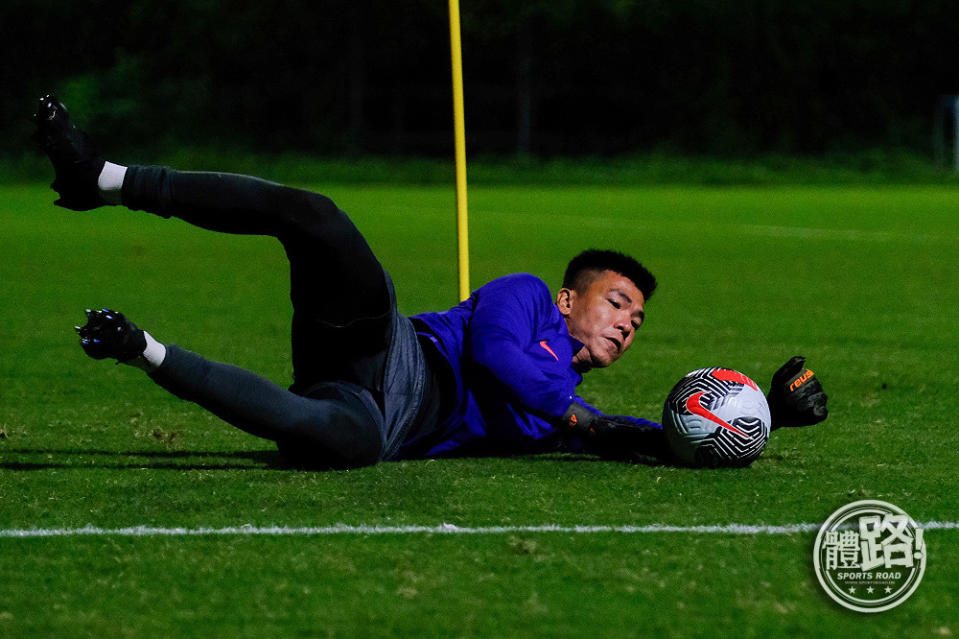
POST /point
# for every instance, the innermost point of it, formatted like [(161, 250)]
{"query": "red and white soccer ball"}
[(716, 417)]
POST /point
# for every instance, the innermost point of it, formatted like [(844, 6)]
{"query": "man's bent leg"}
[(319, 237), (341, 297), (337, 426)]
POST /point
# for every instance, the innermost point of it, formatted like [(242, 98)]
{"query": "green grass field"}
[(860, 280)]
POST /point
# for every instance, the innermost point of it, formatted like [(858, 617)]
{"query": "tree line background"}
[(559, 77)]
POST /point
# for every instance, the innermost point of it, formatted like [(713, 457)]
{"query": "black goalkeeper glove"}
[(796, 397), (616, 437), (582, 421), (110, 334)]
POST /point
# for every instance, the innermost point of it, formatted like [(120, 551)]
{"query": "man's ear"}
[(564, 301)]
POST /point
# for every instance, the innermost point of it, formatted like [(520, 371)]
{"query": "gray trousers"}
[(361, 381)]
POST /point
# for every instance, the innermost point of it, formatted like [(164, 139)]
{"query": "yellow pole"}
[(459, 133)]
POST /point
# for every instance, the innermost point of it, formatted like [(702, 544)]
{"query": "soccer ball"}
[(716, 417)]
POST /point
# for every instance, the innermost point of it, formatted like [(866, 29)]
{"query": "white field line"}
[(441, 529)]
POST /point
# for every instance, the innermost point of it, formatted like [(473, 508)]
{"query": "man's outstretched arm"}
[(503, 325)]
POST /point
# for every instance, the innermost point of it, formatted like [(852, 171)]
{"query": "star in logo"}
[(888, 589), (870, 590), (852, 590)]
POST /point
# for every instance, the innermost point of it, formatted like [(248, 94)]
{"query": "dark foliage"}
[(560, 77)]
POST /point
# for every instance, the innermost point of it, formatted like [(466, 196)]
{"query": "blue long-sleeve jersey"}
[(511, 357)]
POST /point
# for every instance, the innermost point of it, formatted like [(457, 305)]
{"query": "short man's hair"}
[(588, 265)]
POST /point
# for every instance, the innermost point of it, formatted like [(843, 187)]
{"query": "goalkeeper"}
[(494, 375)]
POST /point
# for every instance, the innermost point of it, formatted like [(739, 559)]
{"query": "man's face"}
[(604, 317)]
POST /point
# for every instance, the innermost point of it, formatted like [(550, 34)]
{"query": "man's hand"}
[(582, 421), (796, 397), (617, 437)]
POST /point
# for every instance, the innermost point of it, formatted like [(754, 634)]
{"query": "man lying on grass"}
[(496, 374)]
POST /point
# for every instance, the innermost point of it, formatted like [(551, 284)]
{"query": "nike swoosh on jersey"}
[(548, 349)]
